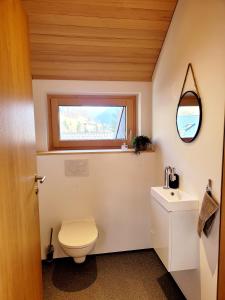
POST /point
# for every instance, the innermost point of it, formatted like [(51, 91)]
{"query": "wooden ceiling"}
[(97, 39)]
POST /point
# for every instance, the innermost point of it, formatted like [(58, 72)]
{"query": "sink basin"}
[(174, 199)]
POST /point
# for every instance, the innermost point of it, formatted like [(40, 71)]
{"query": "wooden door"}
[(221, 273), (20, 262)]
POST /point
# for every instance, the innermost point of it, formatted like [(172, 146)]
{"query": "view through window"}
[(92, 122)]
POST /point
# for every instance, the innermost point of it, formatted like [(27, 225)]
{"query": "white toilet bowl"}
[(77, 238)]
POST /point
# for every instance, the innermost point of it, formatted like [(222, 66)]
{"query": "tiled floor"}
[(137, 275)]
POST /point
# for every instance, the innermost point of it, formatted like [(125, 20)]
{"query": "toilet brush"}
[(50, 249)]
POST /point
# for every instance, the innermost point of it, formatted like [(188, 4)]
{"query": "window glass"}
[(92, 122)]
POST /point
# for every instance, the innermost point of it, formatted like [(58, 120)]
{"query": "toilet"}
[(77, 238)]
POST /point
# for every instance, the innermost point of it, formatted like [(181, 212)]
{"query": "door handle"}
[(40, 179)]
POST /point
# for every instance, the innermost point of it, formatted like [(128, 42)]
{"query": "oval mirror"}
[(189, 116)]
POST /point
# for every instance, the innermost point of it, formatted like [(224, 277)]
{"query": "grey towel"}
[(207, 214)]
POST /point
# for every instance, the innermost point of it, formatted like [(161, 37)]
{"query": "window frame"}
[(54, 101)]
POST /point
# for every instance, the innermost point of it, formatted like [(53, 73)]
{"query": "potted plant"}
[(141, 143)]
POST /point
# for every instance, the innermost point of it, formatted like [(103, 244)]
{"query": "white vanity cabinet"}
[(174, 229)]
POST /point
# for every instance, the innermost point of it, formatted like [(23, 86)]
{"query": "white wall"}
[(43, 87), (197, 35), (116, 192)]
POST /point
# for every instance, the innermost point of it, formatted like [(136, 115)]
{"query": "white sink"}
[(174, 199)]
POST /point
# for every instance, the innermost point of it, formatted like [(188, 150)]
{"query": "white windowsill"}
[(95, 151)]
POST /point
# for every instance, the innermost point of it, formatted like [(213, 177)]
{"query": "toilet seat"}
[(78, 233)]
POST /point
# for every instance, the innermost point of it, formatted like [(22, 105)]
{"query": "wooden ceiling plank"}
[(146, 4), (98, 22), (77, 31), (84, 75), (91, 66), (93, 10), (87, 77), (109, 42), (109, 59), (87, 51)]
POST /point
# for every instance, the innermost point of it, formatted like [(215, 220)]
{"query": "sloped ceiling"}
[(97, 39)]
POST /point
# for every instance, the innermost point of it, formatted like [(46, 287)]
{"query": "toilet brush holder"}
[(50, 249)]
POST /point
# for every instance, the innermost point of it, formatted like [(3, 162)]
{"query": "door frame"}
[(221, 263)]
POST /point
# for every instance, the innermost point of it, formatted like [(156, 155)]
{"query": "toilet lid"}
[(79, 233)]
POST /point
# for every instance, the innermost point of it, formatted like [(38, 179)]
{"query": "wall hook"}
[(209, 186)]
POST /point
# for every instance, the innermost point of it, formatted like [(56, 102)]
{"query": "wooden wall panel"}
[(102, 31)]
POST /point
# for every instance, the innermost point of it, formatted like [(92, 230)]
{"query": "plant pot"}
[(141, 148)]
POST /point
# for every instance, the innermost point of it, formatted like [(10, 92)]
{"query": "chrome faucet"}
[(169, 175)]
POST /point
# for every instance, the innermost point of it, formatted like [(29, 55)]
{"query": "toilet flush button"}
[(76, 168)]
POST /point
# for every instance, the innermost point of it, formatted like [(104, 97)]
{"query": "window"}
[(91, 122)]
